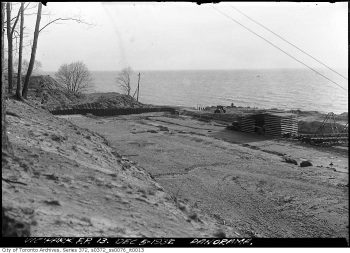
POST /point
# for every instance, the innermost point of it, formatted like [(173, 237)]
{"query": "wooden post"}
[(138, 87)]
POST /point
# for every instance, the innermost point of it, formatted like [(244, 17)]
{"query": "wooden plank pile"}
[(248, 124), (279, 124)]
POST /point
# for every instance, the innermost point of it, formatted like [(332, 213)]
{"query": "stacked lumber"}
[(279, 124), (247, 124)]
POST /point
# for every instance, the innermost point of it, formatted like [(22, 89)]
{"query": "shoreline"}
[(54, 98), (273, 109), (112, 104), (36, 82)]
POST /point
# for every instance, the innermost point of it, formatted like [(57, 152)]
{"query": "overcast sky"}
[(181, 36)]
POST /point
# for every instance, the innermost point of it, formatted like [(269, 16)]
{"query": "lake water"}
[(282, 88)]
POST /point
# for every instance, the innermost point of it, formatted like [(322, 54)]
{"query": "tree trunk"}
[(32, 56), (9, 47), (19, 73), (4, 139)]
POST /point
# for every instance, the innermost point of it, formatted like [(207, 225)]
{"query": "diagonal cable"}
[(291, 56), (256, 22)]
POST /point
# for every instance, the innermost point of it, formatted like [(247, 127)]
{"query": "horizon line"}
[(223, 69)]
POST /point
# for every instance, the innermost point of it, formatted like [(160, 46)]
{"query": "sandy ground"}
[(63, 180), (240, 180)]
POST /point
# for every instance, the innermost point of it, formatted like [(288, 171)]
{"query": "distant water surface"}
[(282, 88)]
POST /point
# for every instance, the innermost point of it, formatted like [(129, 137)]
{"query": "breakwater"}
[(110, 111)]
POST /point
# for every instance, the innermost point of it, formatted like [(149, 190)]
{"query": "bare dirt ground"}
[(63, 180), (240, 180)]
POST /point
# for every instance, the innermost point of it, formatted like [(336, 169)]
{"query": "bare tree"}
[(19, 72), (32, 56), (32, 61), (4, 139), (75, 77), (10, 30), (123, 80), (9, 45)]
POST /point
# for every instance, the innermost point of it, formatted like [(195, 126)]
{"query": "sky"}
[(187, 36)]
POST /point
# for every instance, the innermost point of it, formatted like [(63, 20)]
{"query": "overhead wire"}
[(272, 44), (285, 40)]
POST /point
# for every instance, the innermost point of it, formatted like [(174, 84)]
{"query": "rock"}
[(51, 176), (52, 202), (290, 160), (58, 138), (194, 217), (305, 164), (219, 234), (163, 128), (182, 207)]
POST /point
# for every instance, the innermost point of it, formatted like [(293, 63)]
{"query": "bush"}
[(75, 77)]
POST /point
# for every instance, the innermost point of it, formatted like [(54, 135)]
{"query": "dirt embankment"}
[(47, 93), (241, 180), (110, 100), (64, 180)]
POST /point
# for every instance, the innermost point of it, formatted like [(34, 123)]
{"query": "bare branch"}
[(10, 21), (14, 25), (17, 34), (123, 80), (34, 13), (25, 7), (64, 19)]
